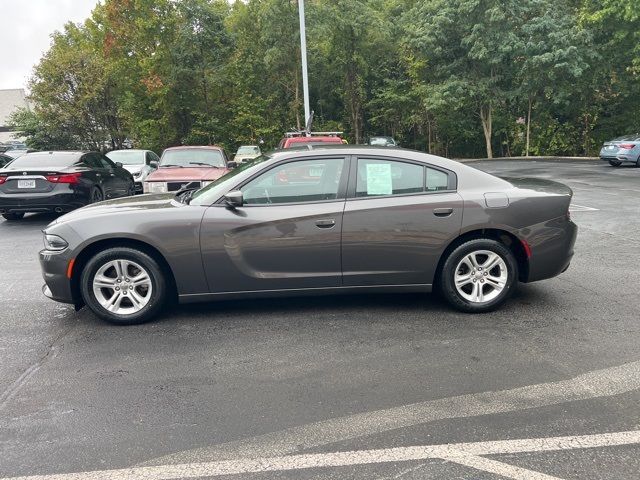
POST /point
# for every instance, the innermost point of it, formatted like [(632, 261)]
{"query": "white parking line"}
[(500, 468), (581, 208), (598, 383), (463, 453)]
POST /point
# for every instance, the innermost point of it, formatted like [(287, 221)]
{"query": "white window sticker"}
[(379, 180)]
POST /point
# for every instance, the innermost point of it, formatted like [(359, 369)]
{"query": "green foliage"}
[(459, 78)]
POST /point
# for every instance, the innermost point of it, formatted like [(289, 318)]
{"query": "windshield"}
[(44, 161), (221, 186), (381, 141), (248, 150), (190, 157), (127, 157)]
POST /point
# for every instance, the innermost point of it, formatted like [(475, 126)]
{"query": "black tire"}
[(96, 195), (447, 276), (615, 163), (11, 217), (158, 282)]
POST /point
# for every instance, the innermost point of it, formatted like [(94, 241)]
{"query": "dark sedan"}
[(309, 222), (60, 182), (622, 150), (4, 160)]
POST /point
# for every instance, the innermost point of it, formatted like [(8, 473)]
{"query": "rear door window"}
[(388, 177)]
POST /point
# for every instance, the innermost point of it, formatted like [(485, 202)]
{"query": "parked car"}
[(382, 142), (4, 160), (140, 163), (622, 150), (296, 139), (60, 182), (246, 152), (366, 220), (187, 166), (15, 152)]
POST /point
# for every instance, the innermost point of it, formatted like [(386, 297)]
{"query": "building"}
[(10, 101)]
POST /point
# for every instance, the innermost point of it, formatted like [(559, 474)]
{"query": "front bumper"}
[(57, 286), (41, 202)]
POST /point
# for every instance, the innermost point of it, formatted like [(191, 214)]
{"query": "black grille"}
[(175, 186)]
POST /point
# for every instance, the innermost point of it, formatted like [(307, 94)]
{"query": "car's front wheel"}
[(123, 285), (479, 275)]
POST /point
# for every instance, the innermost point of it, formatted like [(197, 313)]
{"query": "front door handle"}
[(442, 212), (326, 223)]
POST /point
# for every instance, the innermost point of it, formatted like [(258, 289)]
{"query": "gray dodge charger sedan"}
[(308, 222)]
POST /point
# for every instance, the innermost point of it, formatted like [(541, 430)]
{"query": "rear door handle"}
[(442, 212), (325, 223)]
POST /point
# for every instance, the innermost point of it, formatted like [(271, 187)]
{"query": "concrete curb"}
[(530, 159)]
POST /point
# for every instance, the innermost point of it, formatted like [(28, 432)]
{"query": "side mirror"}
[(234, 199), (232, 164), (153, 164), (119, 164)]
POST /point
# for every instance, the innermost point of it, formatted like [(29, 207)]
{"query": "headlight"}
[(206, 182), (54, 243), (155, 187), (137, 174)]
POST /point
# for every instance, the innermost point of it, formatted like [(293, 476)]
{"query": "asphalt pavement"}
[(366, 386)]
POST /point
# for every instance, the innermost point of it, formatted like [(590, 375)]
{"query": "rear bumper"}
[(54, 271), (619, 158), (47, 202), (552, 248)]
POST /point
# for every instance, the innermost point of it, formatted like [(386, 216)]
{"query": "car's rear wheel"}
[(123, 285), (479, 275), (96, 195), (615, 163), (13, 216)]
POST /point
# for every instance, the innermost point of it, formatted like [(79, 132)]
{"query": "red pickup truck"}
[(182, 166), (314, 139)]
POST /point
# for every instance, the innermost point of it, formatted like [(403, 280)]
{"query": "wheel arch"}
[(508, 239), (99, 245)]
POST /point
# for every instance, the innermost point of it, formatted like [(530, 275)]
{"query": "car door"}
[(286, 235), (398, 219), (117, 178)]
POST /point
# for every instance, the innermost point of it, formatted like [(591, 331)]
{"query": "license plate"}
[(610, 147), (26, 184)]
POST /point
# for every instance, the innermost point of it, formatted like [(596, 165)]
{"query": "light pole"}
[(305, 77)]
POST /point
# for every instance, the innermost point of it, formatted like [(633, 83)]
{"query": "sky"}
[(25, 29)]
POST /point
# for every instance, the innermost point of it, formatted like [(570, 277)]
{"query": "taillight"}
[(71, 178), (627, 146), (2, 180)]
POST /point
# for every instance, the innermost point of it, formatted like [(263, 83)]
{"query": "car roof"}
[(317, 138), (194, 147), (397, 152), (129, 150)]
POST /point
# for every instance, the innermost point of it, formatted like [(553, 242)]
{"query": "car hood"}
[(120, 206), (133, 168), (187, 174)]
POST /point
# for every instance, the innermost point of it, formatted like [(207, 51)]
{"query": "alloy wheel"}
[(481, 276), (122, 287)]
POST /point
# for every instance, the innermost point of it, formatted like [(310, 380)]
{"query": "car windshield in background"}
[(250, 150), (127, 157), (213, 191), (192, 157), (44, 161), (381, 141)]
